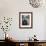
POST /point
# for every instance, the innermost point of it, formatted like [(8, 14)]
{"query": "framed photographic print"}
[(25, 19)]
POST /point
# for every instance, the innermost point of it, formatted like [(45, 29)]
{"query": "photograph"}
[(25, 19)]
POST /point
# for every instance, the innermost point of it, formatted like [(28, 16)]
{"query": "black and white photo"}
[(25, 19)]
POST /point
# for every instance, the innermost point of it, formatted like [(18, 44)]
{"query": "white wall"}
[(11, 8)]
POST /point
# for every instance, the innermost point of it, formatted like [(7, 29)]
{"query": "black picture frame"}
[(25, 20)]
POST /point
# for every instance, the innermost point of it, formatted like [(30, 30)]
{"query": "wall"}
[(11, 8)]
